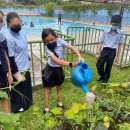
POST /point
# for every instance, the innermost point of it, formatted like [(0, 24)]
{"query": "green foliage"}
[(79, 7), (2, 5), (59, 2), (74, 7), (33, 119), (50, 8), (24, 6), (50, 123), (3, 95), (124, 126), (57, 111), (112, 101), (28, 6), (76, 108), (128, 101), (9, 122)]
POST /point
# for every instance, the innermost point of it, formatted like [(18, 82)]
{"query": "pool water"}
[(40, 23)]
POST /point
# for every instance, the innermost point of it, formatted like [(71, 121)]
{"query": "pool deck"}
[(125, 28)]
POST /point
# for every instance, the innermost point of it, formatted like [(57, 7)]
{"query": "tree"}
[(26, 1), (50, 8)]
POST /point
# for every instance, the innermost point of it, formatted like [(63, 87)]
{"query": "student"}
[(111, 44), (20, 64), (31, 25), (53, 74), (59, 18), (5, 71)]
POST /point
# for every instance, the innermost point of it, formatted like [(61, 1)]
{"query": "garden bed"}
[(110, 111)]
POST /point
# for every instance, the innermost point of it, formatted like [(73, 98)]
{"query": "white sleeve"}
[(63, 42), (11, 47), (2, 37)]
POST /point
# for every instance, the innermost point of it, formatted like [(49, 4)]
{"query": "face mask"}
[(16, 29), (51, 46), (114, 27), (1, 24)]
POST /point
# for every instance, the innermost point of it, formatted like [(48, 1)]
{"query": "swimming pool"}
[(40, 23)]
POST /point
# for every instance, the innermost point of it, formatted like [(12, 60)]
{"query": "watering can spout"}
[(84, 88)]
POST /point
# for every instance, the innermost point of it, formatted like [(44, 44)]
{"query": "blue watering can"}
[(82, 75)]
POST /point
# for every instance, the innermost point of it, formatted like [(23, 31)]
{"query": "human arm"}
[(62, 62), (119, 48), (75, 50), (100, 45), (10, 77), (118, 53), (98, 50), (14, 67), (57, 60)]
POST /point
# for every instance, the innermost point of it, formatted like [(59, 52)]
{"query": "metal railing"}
[(87, 40), (38, 57), (125, 55)]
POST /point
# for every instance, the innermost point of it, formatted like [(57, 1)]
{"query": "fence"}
[(87, 39), (38, 57), (125, 55), (88, 15)]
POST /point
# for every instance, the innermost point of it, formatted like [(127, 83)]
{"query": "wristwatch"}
[(71, 64)]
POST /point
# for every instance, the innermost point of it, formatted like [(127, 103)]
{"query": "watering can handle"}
[(82, 61)]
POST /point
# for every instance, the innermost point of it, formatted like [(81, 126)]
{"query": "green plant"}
[(9, 122), (3, 95), (50, 8), (111, 108), (124, 126), (79, 7)]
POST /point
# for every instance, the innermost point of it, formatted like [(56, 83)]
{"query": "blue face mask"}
[(114, 27)]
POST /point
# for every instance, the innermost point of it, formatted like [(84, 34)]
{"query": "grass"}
[(71, 94), (74, 94)]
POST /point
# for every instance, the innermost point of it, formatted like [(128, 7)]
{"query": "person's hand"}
[(19, 77), (76, 63), (117, 60), (10, 79), (79, 59), (97, 56)]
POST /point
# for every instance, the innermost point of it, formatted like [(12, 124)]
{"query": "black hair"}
[(10, 16), (1, 13), (46, 32), (116, 19)]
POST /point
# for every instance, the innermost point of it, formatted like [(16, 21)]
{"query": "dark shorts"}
[(52, 76), (3, 79), (59, 19)]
